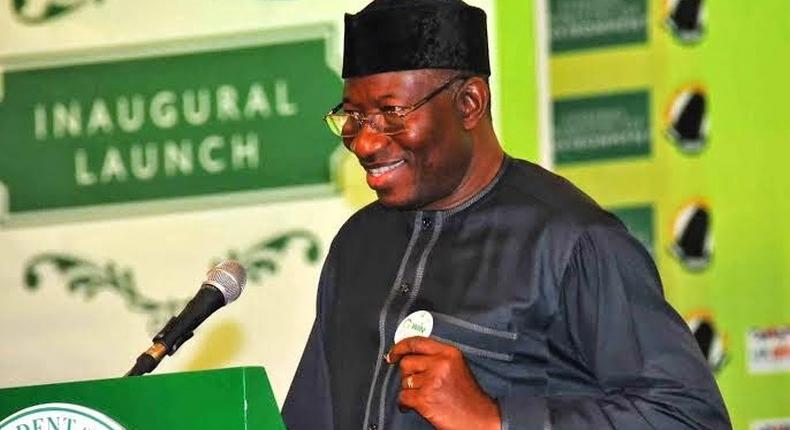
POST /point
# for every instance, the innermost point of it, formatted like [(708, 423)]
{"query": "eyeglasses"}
[(390, 121)]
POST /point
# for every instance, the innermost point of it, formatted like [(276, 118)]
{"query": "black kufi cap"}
[(395, 35)]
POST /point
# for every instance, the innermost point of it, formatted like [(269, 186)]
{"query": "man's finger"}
[(416, 345), (414, 364), (414, 381), (408, 399)]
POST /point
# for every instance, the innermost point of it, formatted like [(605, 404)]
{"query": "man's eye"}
[(391, 110), (353, 114)]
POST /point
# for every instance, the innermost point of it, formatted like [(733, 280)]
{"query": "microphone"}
[(224, 284)]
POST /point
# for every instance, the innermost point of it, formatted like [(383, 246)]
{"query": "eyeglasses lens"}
[(345, 125)]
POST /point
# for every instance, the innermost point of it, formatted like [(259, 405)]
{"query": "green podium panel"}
[(229, 399)]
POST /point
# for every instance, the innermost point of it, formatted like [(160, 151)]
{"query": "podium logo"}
[(38, 11), (59, 416)]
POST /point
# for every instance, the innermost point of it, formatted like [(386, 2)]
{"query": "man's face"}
[(428, 160)]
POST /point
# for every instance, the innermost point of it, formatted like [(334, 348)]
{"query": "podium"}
[(229, 399)]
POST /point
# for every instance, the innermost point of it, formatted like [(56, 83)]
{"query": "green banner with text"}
[(180, 125)]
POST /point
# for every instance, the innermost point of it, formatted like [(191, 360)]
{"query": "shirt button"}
[(405, 288), (426, 223)]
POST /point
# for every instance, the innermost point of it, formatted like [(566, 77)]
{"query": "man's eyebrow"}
[(346, 102), (378, 98)]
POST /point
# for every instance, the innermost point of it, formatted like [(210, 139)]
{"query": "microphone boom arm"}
[(224, 284)]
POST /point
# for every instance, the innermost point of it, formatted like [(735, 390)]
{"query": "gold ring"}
[(409, 382)]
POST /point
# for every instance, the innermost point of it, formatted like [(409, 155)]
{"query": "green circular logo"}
[(59, 415)]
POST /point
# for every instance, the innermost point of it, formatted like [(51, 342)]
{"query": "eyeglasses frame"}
[(399, 111)]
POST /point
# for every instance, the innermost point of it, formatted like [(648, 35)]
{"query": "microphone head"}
[(229, 277)]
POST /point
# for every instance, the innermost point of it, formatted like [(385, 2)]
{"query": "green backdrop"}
[(677, 120)]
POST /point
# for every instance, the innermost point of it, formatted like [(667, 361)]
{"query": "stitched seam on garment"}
[(383, 313), (561, 292), (547, 425), (383, 398), (566, 262), (505, 422), (412, 297), (485, 190), (383, 395), (475, 327), (476, 351)]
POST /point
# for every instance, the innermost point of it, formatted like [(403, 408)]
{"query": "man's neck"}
[(483, 168)]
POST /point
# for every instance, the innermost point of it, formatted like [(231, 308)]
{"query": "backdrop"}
[(672, 114)]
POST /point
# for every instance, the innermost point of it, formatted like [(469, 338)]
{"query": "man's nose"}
[(368, 142)]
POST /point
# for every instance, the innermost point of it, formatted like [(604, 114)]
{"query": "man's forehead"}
[(392, 84)]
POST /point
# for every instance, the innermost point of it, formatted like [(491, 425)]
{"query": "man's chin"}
[(395, 201)]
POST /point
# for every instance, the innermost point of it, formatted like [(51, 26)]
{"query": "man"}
[(545, 312)]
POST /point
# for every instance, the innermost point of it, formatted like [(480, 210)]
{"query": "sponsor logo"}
[(602, 127), (59, 416), (692, 241), (588, 24), (686, 119), (769, 349), (711, 342), (773, 424), (685, 19), (39, 11)]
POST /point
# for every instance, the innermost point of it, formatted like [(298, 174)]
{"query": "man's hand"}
[(437, 383)]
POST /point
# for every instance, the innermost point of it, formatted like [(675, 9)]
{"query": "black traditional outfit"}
[(558, 311)]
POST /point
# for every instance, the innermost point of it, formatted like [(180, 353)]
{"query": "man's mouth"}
[(384, 168)]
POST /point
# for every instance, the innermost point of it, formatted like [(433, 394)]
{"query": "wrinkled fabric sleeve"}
[(308, 405), (650, 374)]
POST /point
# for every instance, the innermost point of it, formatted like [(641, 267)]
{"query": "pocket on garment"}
[(489, 352)]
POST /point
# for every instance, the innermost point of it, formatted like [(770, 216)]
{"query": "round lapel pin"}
[(419, 323)]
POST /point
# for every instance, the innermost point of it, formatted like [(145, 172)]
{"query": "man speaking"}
[(479, 291)]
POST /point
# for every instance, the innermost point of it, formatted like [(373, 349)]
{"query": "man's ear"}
[(472, 101)]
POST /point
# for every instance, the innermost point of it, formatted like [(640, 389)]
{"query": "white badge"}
[(418, 323)]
